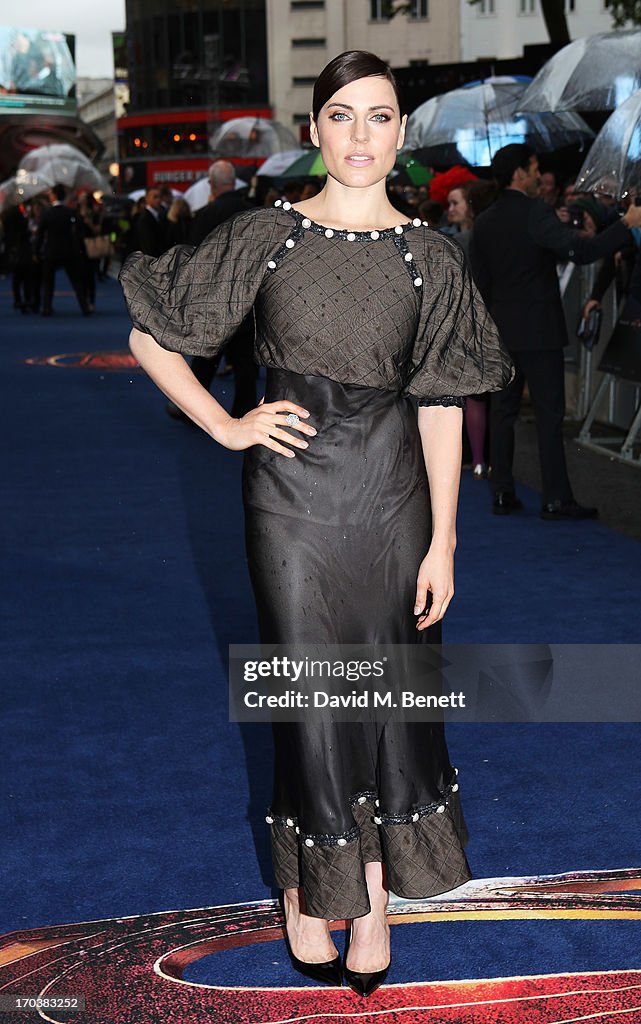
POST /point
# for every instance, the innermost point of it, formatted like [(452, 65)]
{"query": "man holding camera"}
[(516, 244)]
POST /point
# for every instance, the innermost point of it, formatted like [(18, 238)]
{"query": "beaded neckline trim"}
[(344, 233)]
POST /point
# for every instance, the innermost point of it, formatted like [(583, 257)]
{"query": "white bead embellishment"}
[(362, 799), (455, 787), (271, 265), (350, 236), (398, 229), (408, 257), (269, 820), (289, 822), (440, 809), (418, 281), (287, 206), (342, 842), (290, 243), (417, 222), (378, 803), (378, 821), (297, 831), (415, 817), (328, 233), (307, 222), (309, 842), (374, 235), (279, 202)]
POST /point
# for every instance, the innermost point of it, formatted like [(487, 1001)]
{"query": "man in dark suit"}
[(514, 250), (150, 230), (56, 245), (225, 202)]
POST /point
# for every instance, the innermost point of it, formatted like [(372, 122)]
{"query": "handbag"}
[(99, 247), (589, 328)]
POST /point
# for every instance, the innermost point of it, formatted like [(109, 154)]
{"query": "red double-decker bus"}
[(171, 147)]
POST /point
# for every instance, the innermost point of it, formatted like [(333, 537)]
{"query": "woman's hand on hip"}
[(435, 577), (268, 424)]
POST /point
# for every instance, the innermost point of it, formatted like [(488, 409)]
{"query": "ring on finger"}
[(292, 419)]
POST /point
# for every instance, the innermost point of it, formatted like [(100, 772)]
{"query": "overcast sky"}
[(92, 22)]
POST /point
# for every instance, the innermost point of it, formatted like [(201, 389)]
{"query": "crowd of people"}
[(52, 232), (515, 227), (518, 228)]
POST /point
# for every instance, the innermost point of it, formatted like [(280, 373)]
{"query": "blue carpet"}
[(125, 788)]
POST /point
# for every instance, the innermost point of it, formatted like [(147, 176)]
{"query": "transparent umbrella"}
[(8, 194), (251, 137), (470, 124), (197, 195), (58, 164), (595, 73), (613, 164), (274, 165)]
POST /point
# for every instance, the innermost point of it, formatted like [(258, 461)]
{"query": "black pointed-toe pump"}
[(364, 982), (330, 972)]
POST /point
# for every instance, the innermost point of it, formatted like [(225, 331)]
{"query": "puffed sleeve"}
[(457, 351), (192, 299)]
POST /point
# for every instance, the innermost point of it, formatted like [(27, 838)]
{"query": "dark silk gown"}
[(359, 328)]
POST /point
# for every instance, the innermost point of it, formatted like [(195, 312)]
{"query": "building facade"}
[(303, 35), (192, 64), (97, 108), (501, 28)]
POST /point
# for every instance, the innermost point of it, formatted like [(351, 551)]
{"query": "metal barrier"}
[(596, 397)]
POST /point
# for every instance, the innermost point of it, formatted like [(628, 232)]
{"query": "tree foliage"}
[(625, 13)]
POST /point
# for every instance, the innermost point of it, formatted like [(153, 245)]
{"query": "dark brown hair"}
[(346, 68), (479, 194)]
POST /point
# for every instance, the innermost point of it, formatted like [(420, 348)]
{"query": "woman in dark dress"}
[(372, 334)]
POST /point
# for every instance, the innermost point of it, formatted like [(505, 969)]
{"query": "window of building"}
[(305, 80), (307, 5), (187, 56), (419, 9), (527, 6), (486, 7), (378, 10), (299, 44)]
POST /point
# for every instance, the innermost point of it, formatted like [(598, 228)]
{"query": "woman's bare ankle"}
[(309, 937), (369, 948)]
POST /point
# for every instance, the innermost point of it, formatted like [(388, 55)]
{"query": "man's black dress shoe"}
[(506, 502), (567, 510)]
